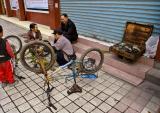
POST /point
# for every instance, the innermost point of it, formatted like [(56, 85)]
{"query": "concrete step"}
[(94, 43), (136, 69), (122, 75), (157, 65), (88, 43), (153, 75)]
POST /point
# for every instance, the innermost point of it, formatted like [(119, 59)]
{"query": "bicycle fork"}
[(49, 89)]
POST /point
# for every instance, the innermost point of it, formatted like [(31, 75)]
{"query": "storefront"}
[(106, 19), (100, 19), (37, 11), (40, 11)]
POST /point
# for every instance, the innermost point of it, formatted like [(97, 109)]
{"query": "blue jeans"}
[(60, 58)]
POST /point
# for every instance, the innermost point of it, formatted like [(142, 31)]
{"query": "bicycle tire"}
[(82, 59), (18, 39), (29, 45)]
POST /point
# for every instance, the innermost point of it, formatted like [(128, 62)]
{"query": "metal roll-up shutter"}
[(106, 19)]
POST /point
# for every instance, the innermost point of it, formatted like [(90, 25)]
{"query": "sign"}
[(14, 4), (36, 4)]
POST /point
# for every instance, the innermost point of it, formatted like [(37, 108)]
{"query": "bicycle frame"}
[(73, 74)]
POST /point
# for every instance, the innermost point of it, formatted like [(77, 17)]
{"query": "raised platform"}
[(134, 73), (153, 75), (157, 65)]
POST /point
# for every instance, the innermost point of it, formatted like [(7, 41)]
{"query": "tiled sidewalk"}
[(106, 94)]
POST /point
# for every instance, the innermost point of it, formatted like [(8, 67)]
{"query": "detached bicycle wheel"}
[(15, 43), (33, 52), (91, 61)]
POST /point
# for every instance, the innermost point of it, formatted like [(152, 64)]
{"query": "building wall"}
[(41, 18), (106, 19), (100, 19), (50, 16), (14, 13)]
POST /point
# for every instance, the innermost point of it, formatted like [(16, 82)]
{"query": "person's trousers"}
[(60, 58), (6, 72)]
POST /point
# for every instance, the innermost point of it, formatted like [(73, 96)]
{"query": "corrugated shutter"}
[(106, 19)]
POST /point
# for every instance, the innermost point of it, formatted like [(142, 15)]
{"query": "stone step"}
[(119, 74), (137, 69), (122, 75), (88, 43), (94, 43), (157, 65), (153, 75)]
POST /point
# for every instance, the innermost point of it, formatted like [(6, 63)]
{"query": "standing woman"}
[(6, 54)]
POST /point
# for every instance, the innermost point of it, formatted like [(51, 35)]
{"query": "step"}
[(153, 75), (119, 74), (104, 45), (146, 61), (80, 48), (133, 72), (122, 75), (93, 42), (136, 69), (84, 44), (157, 65)]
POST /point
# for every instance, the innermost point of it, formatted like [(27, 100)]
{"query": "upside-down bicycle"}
[(43, 54)]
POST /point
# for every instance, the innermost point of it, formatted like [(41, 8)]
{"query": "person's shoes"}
[(4, 85), (13, 84)]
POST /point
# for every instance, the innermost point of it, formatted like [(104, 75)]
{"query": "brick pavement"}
[(106, 94)]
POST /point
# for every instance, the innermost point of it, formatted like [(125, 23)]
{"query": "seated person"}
[(68, 28), (6, 54), (33, 33), (62, 47)]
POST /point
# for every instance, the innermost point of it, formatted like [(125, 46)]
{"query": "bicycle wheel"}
[(33, 52), (15, 43), (91, 60)]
